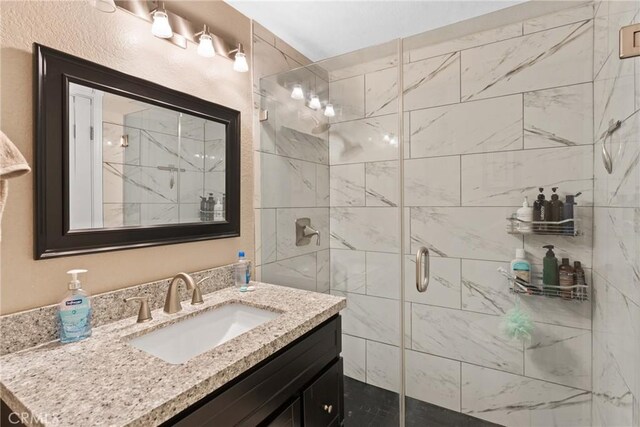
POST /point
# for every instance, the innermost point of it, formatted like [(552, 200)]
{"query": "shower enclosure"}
[(433, 141)]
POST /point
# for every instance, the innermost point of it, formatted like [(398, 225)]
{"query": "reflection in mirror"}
[(136, 164)]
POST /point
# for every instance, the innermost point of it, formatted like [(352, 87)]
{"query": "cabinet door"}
[(289, 417), (323, 400)]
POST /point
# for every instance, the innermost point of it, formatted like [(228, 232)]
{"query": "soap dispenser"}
[(74, 311), (525, 216), (550, 267)]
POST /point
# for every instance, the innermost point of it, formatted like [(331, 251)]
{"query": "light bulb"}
[(205, 47), (329, 111), (108, 6), (314, 103), (161, 27), (297, 92), (386, 137), (240, 64)]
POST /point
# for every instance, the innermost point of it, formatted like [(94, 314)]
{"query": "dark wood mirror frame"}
[(53, 237)]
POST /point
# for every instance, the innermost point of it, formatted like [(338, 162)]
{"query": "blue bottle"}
[(74, 311)]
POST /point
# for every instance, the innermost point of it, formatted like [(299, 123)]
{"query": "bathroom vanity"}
[(286, 371)]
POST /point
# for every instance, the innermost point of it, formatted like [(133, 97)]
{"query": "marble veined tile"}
[(322, 186), (297, 177), (513, 400), (323, 271), (159, 213), (366, 229), (366, 140), (347, 97), (616, 252), (433, 379), (112, 150), (267, 61), (383, 274), (551, 58), (444, 282), (301, 145), (504, 179), (382, 183), (476, 233), (286, 230), (370, 317), (192, 185), (354, 355), (470, 127), (268, 236), (557, 19), (560, 355), (559, 117), (139, 184), (383, 366), (432, 181), (421, 49), (381, 92), (348, 271), (347, 185), (465, 336), (432, 82), (298, 272)]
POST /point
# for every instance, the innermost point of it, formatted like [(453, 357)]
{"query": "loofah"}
[(517, 324)]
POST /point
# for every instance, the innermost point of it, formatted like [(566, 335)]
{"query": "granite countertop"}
[(106, 381)]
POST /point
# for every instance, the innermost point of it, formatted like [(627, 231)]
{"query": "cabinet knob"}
[(328, 408)]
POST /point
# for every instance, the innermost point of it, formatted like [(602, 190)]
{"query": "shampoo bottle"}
[(539, 210), (525, 215), (550, 267), (566, 278), (557, 209), (521, 268), (74, 311)]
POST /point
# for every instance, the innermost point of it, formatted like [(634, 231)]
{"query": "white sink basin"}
[(188, 338)]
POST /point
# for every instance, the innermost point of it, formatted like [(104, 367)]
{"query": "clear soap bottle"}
[(74, 311)]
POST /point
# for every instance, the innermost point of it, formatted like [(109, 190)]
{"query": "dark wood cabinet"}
[(299, 386)]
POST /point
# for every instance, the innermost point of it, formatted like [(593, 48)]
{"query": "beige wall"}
[(123, 42)]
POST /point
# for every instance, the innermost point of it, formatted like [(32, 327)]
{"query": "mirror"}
[(136, 164), (122, 162)]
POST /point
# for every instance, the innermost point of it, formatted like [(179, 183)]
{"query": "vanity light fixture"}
[(205, 46), (240, 64), (297, 92), (329, 111), (161, 27), (314, 103), (107, 6)]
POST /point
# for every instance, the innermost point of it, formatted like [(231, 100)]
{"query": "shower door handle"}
[(422, 269)]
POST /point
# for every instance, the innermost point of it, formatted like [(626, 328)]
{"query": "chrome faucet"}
[(172, 303), (304, 231), (308, 232)]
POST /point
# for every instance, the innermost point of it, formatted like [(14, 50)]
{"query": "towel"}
[(12, 165)]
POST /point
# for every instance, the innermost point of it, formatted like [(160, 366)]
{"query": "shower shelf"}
[(568, 227), (576, 292)]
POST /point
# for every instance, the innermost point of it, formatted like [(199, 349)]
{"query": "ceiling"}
[(322, 29)]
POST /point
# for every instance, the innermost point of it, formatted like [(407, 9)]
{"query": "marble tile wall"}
[(291, 158), (616, 240)]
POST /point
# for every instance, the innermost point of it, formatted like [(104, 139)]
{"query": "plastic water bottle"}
[(242, 273)]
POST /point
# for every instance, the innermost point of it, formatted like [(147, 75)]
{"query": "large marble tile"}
[(420, 48), (560, 355), (291, 183), (348, 271), (476, 233), (140, 184), (470, 127), (369, 317), (366, 140), (566, 16), (382, 183), (512, 400), (286, 230), (465, 336), (444, 282), (323, 196), (381, 92), (268, 236), (157, 149), (383, 274), (559, 117), (383, 366), (616, 253), (610, 17), (159, 213), (551, 58), (484, 290), (323, 271), (267, 61), (621, 188), (191, 185), (347, 97), (432, 181), (301, 145), (347, 185), (363, 61), (613, 98), (354, 356), (366, 229), (432, 82), (215, 155), (433, 379), (504, 179), (298, 272)]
